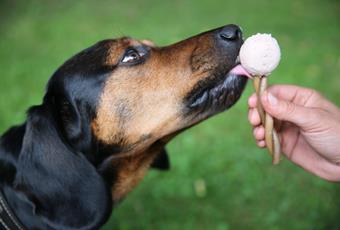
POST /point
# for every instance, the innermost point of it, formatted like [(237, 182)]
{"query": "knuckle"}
[(312, 98), (290, 108), (315, 94), (286, 109)]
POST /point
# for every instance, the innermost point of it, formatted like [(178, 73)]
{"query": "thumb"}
[(285, 110)]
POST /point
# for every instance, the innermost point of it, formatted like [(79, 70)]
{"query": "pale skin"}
[(308, 126)]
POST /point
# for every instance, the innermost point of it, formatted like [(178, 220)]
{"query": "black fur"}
[(162, 161), (48, 164)]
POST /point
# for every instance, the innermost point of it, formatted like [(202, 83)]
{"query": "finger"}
[(288, 111), (261, 144), (252, 101), (254, 117), (301, 96), (295, 94), (259, 133)]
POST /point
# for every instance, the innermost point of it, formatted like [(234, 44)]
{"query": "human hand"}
[(308, 126)]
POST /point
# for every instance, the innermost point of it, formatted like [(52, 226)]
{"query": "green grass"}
[(243, 190)]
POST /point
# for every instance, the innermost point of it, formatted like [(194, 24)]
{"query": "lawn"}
[(218, 178)]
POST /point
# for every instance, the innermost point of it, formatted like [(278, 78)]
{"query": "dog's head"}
[(121, 100)]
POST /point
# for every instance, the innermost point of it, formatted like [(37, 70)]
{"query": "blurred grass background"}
[(219, 179)]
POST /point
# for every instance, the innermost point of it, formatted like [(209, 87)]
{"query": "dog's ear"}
[(161, 161), (73, 107), (73, 123), (61, 184)]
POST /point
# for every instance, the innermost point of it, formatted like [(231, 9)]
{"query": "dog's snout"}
[(230, 33)]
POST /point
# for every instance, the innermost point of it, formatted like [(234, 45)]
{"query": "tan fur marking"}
[(145, 99), (131, 170)]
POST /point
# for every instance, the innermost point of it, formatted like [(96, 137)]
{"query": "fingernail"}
[(272, 99)]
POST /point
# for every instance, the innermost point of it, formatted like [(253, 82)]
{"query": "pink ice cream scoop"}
[(259, 55)]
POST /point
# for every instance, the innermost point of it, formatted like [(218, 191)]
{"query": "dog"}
[(105, 119)]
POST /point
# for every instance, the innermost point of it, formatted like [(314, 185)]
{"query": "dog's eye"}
[(131, 56)]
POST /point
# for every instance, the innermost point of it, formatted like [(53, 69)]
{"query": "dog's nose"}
[(230, 33)]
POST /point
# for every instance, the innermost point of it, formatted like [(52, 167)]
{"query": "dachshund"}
[(105, 119)]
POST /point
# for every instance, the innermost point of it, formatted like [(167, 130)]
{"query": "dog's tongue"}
[(239, 70)]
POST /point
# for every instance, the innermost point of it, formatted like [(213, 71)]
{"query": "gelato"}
[(260, 54)]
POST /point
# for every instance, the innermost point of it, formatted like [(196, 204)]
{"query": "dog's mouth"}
[(217, 93)]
